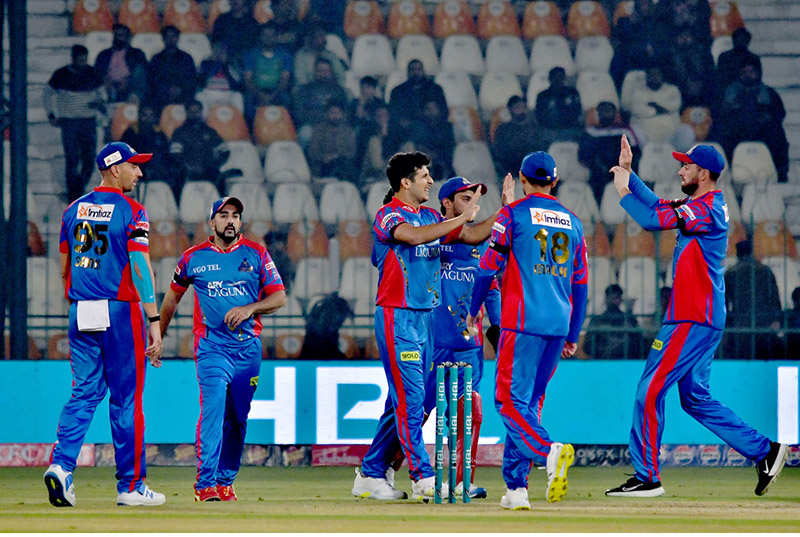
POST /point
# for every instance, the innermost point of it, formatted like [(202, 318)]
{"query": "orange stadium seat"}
[(630, 240), (467, 125), (408, 17), (36, 245), (736, 234), (773, 239), (452, 17), (355, 239), (666, 246), (167, 239), (499, 116), (597, 240), (186, 16), (58, 346), (725, 18), (141, 16), (699, 119), (273, 123), (306, 239), (172, 117), (625, 8), (91, 16), (542, 18), (289, 345), (255, 230), (497, 18), (217, 8), (262, 11), (229, 123), (585, 18), (362, 17), (33, 351), (125, 116)]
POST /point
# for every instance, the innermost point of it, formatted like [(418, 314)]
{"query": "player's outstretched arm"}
[(420, 235)]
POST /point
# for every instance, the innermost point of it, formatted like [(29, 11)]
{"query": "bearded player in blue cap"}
[(693, 322)]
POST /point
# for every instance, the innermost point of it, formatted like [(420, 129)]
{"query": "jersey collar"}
[(232, 247), (541, 195), (107, 189), (397, 203)]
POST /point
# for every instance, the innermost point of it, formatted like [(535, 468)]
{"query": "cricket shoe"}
[(559, 459), (142, 496), (59, 486), (226, 493), (425, 489), (390, 476), (769, 468), (207, 494), (474, 491), (516, 500), (636, 488), (375, 488)]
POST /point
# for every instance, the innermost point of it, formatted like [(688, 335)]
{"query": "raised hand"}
[(508, 189), (625, 154)]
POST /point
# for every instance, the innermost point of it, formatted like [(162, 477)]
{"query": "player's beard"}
[(689, 188), (227, 239)]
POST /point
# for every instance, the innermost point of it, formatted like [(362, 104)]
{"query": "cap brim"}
[(474, 186), (682, 157), (140, 158), (236, 202)]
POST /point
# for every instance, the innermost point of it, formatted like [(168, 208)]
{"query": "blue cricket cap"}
[(220, 203), (117, 153), (704, 156), (459, 184), (539, 165)]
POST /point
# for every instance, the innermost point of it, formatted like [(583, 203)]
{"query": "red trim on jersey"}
[(198, 326), (200, 419), (695, 302), (452, 236), (513, 310), (392, 285), (137, 325), (654, 391)]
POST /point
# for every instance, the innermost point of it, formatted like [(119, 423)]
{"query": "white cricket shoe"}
[(143, 496), (375, 488), (559, 459), (59, 486), (390, 476), (516, 499), (425, 489)]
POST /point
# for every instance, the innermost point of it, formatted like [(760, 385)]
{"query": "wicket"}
[(447, 402)]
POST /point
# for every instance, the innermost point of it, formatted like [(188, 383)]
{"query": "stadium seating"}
[(631, 240), (587, 18), (637, 277), (358, 280), (167, 238), (505, 53), (458, 90), (172, 117), (334, 44), (289, 345), (195, 45), (473, 161), (538, 82), (210, 98), (262, 11), (312, 277), (600, 276), (593, 53), (657, 164), (725, 17), (196, 198), (45, 295), (293, 202), (594, 88), (467, 125), (417, 47), (91, 16), (158, 198), (340, 201), (375, 195), (633, 80), (462, 53), (610, 209), (499, 116), (272, 124), (550, 51), (597, 239), (229, 122), (395, 79), (255, 230), (355, 238), (569, 167), (736, 234), (217, 8), (578, 198), (372, 55), (721, 44), (771, 238), (125, 116), (762, 202), (787, 276), (452, 17), (699, 119), (151, 43), (97, 42), (141, 16), (752, 163), (496, 89), (541, 18), (307, 239), (186, 16), (625, 8), (284, 162), (257, 207), (497, 17), (408, 17), (244, 156), (362, 17)]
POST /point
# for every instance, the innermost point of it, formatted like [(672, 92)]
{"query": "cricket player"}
[(541, 245), (235, 282), (693, 322), (105, 265)]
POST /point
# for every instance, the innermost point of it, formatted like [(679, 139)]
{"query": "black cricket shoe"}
[(634, 488), (769, 468)]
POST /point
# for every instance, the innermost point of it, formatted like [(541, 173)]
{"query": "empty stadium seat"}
[(141, 16), (289, 345), (610, 209), (292, 202), (167, 238), (195, 45), (787, 276), (496, 89), (172, 117), (725, 18), (417, 47), (657, 164), (736, 234), (637, 277), (505, 53), (569, 167), (288, 319), (375, 196), (307, 239), (593, 53), (229, 122), (151, 43), (312, 277), (587, 18), (196, 198), (244, 156), (125, 116), (467, 125), (340, 201), (210, 98), (631, 240), (541, 18), (355, 238), (186, 16), (58, 346), (721, 44), (497, 17), (597, 239), (452, 17), (159, 200), (462, 53), (45, 295), (473, 161), (699, 119), (771, 238), (550, 51), (284, 162), (165, 269), (578, 198), (362, 17), (255, 230), (272, 124), (761, 202), (394, 80), (372, 55), (458, 90), (600, 276), (408, 17), (594, 88), (752, 163), (538, 82), (97, 42), (91, 16), (256, 201), (333, 43), (358, 280), (633, 80)]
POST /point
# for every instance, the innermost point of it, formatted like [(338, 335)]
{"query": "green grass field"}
[(319, 500)]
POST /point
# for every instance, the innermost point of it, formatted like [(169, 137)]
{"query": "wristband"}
[(154, 318)]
